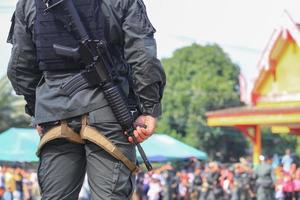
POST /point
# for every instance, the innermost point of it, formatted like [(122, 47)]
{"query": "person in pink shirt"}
[(288, 186), (297, 184)]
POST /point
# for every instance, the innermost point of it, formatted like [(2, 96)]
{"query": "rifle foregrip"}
[(115, 99), (118, 106)]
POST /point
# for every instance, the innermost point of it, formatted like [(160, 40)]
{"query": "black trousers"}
[(63, 166)]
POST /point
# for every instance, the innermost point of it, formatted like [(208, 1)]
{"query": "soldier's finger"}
[(40, 130), (141, 136), (151, 126), (145, 132), (142, 133), (139, 140), (137, 136), (130, 139)]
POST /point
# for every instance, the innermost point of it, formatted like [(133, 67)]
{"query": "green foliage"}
[(11, 107), (278, 143), (199, 79)]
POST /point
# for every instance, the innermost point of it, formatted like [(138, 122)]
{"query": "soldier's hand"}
[(40, 130), (144, 127)]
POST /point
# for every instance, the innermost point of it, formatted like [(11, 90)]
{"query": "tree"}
[(11, 107), (199, 79), (277, 143)]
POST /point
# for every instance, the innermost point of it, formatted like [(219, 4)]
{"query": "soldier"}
[(196, 185), (76, 130), (242, 183), (211, 188), (265, 179)]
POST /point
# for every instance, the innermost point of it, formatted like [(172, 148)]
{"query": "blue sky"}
[(241, 27)]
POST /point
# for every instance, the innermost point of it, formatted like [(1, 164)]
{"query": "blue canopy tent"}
[(161, 148), (20, 144)]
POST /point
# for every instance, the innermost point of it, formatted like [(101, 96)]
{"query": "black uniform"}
[(62, 163)]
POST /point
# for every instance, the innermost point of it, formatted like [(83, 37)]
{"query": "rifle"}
[(98, 70)]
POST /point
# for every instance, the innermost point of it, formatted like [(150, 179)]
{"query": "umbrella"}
[(161, 148), (19, 144)]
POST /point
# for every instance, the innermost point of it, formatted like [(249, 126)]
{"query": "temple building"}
[(275, 96)]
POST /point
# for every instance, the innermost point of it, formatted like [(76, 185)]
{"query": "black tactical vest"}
[(51, 29)]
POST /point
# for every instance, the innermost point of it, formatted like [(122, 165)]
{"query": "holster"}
[(63, 131)]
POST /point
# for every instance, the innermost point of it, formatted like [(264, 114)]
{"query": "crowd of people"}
[(18, 184), (215, 181), (192, 180)]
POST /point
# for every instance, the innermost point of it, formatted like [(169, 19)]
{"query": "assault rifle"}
[(98, 70)]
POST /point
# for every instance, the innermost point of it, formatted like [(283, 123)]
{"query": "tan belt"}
[(86, 133), (60, 131)]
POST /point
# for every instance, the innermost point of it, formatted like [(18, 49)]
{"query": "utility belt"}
[(61, 130)]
